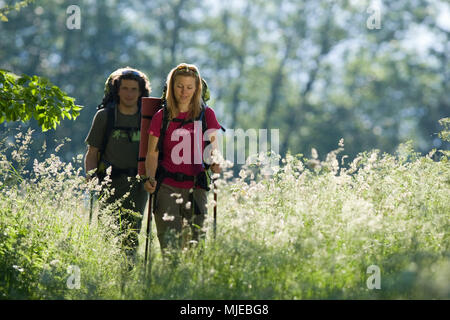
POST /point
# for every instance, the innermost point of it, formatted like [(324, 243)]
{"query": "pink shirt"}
[(183, 145)]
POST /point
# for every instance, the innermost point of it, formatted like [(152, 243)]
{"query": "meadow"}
[(316, 229)]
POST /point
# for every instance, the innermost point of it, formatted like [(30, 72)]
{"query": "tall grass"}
[(309, 232)]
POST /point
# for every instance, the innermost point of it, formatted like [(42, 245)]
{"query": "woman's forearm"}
[(151, 164)]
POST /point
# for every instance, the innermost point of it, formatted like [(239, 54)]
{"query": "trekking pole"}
[(215, 207), (91, 200), (149, 234)]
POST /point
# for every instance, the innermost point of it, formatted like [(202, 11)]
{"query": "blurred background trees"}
[(311, 68)]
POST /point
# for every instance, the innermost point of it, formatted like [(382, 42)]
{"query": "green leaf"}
[(35, 97)]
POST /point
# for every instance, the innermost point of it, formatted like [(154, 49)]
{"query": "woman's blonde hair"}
[(187, 70)]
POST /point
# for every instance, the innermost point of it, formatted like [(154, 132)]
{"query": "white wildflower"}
[(166, 217), (54, 263), (314, 153), (227, 175), (18, 268), (373, 157), (300, 166), (175, 195)]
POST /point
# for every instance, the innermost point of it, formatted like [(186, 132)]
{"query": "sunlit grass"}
[(308, 232)]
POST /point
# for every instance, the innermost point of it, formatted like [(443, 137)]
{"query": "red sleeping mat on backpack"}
[(149, 107)]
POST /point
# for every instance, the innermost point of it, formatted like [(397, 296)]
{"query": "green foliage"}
[(445, 134), (309, 68), (300, 234), (16, 7), (44, 231), (26, 97)]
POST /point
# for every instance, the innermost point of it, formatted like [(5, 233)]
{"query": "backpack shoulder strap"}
[(162, 132), (202, 117)]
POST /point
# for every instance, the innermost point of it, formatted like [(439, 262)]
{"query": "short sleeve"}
[(97, 131), (155, 124), (211, 120)]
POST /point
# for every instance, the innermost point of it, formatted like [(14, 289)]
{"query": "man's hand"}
[(90, 162), (91, 175)]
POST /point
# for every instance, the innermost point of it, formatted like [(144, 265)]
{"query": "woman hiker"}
[(175, 166)]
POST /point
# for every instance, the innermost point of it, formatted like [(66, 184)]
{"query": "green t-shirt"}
[(122, 149)]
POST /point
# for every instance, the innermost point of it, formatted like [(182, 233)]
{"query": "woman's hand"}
[(150, 185), (151, 164), (215, 168)]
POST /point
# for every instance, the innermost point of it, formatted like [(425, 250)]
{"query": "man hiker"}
[(113, 141)]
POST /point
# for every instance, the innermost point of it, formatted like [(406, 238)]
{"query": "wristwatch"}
[(151, 179)]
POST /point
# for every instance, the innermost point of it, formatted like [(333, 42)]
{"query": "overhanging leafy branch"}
[(25, 97), (10, 7)]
